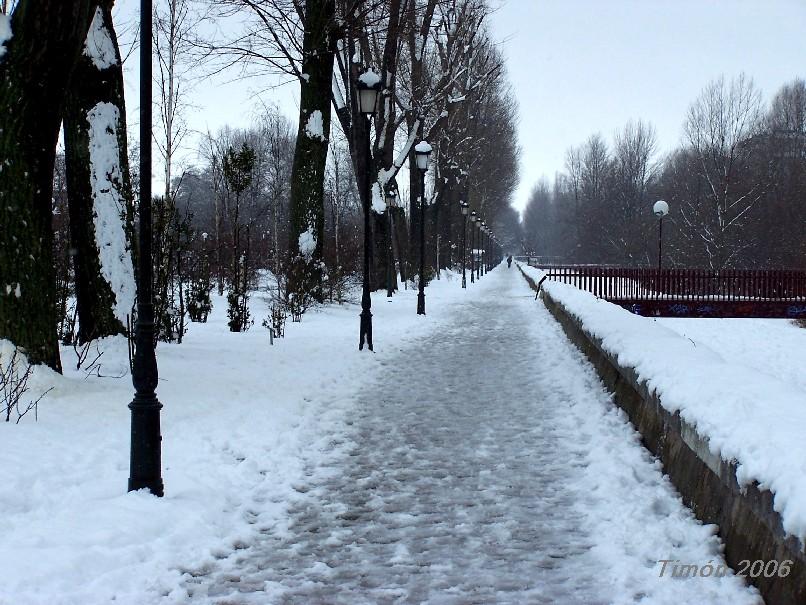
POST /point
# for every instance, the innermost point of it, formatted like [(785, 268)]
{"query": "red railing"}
[(624, 285)]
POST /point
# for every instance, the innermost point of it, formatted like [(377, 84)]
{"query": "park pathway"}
[(471, 477)]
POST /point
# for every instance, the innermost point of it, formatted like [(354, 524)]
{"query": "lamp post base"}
[(366, 330), (146, 445)]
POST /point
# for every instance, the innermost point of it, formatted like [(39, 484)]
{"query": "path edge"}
[(748, 525)]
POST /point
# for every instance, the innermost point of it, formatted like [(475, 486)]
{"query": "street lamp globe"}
[(660, 209), (422, 152), (369, 86)]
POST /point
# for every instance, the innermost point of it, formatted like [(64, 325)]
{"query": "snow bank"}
[(98, 45), (109, 207), (746, 415)]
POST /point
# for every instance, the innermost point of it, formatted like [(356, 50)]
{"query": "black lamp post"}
[(145, 462), (465, 207), (368, 86), (483, 246), (660, 209), (473, 247), (391, 203), (422, 153)]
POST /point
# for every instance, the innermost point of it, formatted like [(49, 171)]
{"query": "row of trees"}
[(262, 198), (735, 188)]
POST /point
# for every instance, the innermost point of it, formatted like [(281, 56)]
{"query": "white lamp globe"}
[(660, 209)]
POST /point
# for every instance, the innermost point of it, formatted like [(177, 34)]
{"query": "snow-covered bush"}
[(275, 322), (199, 304)]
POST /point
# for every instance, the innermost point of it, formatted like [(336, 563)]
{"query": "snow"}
[(775, 347), (504, 471), (314, 127), (519, 482), (423, 147), (99, 46), (5, 33), (307, 243), (370, 78), (109, 207), (378, 201), (747, 413)]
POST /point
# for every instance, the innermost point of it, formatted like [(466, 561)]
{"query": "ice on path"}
[(487, 465)]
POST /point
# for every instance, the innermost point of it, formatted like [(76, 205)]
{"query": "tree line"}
[(735, 188), (276, 196)]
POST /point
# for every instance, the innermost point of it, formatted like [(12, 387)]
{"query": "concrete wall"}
[(748, 525)]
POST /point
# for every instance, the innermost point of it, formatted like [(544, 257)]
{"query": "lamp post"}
[(483, 245), (391, 202), (422, 152), (464, 207), (368, 87), (478, 247), (145, 461), (660, 209), (472, 247)]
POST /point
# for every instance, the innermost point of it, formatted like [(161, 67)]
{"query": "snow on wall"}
[(99, 46), (109, 207), (307, 243), (746, 415), (5, 33), (314, 127)]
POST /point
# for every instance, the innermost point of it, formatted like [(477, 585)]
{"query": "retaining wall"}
[(748, 525)]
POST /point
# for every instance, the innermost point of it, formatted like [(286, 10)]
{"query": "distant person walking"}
[(509, 261)]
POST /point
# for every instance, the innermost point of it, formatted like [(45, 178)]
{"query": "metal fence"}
[(691, 292)]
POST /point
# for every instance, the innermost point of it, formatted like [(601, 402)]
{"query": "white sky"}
[(584, 66)]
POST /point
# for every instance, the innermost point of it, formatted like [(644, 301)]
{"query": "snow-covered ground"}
[(776, 347), (750, 411), (241, 419), (473, 458)]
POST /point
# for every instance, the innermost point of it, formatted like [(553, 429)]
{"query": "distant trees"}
[(442, 79), (735, 188), (275, 199)]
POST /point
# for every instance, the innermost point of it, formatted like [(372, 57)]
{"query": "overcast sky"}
[(584, 66)]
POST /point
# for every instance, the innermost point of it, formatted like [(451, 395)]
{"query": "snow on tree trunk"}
[(310, 154), (46, 39), (98, 184)]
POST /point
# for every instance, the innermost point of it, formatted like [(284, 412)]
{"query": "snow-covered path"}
[(486, 465)]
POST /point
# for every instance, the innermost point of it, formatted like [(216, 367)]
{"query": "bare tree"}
[(175, 23), (718, 127)]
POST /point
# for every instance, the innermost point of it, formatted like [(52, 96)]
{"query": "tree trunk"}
[(35, 71), (307, 211), (98, 185)]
